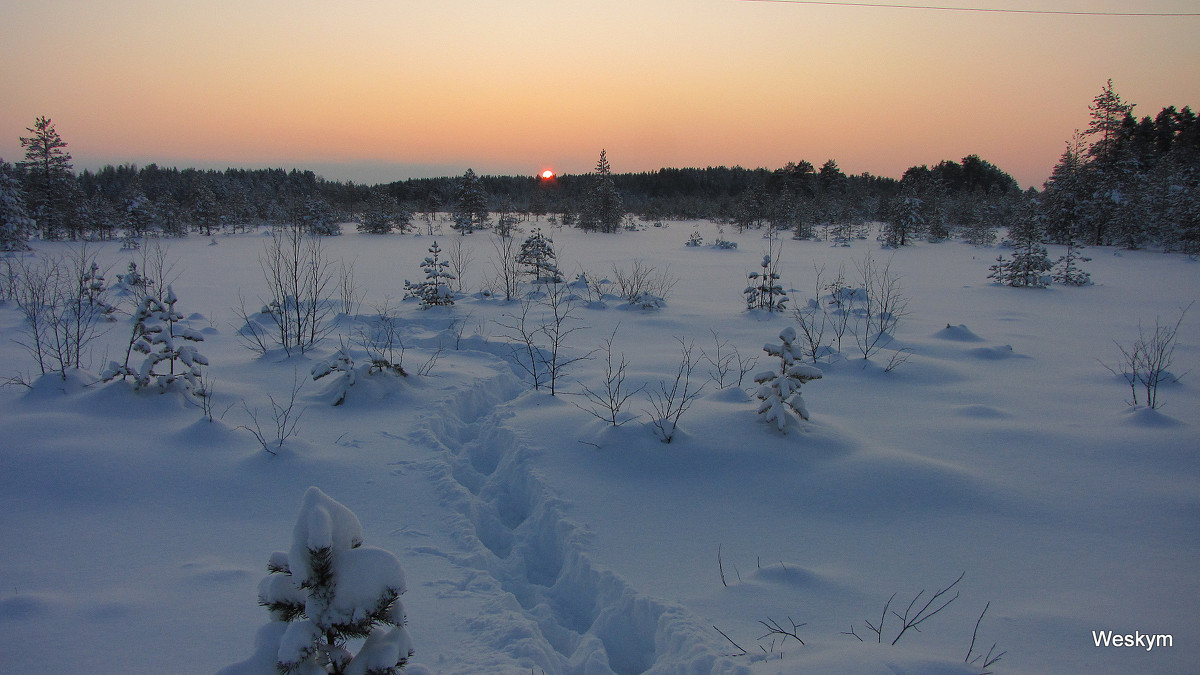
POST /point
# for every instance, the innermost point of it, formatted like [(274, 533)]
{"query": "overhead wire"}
[(992, 10)]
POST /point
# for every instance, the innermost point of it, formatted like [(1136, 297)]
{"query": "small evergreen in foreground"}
[(327, 590), (779, 390)]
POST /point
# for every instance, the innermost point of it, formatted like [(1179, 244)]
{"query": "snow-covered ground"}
[(537, 538)]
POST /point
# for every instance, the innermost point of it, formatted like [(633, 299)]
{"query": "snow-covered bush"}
[(329, 589), (695, 239), (779, 390), (340, 363), (435, 290)]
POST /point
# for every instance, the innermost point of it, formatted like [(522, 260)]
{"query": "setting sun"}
[(547, 174)]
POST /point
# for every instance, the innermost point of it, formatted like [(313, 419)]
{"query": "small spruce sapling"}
[(435, 290), (537, 255), (1067, 270), (171, 360), (764, 291), (779, 390), (327, 590)]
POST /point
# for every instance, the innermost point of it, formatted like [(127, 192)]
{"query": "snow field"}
[(535, 536)]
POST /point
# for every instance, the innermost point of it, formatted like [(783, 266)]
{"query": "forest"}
[(1124, 181)]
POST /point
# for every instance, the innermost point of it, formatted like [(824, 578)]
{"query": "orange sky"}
[(386, 89)]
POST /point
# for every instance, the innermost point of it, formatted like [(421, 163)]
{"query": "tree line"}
[(1123, 181)]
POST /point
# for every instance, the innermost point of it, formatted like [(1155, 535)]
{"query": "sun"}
[(547, 174)]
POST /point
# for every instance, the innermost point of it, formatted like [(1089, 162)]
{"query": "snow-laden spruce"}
[(435, 290), (329, 589), (171, 361), (779, 390)]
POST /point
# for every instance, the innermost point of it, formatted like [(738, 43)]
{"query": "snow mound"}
[(996, 353), (787, 575), (982, 412), (959, 333), (25, 606), (1142, 416)]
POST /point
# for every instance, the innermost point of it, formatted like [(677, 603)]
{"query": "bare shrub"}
[(914, 615), (876, 316), (298, 275), (460, 256), (670, 401), (350, 294), (382, 342), (62, 311), (507, 272), (608, 403), (1146, 363), (284, 421), (642, 284), (726, 363)]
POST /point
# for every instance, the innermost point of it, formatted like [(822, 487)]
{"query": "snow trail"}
[(552, 608)]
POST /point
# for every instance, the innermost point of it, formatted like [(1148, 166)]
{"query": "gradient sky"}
[(375, 91)]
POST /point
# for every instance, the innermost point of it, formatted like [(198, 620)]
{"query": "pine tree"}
[(470, 204), (317, 218), (1068, 271), (779, 390), (1029, 262), (537, 255), (15, 223), (435, 290), (602, 209), (379, 213), (909, 218), (47, 167), (329, 589), (765, 291), (139, 212), (205, 212), (1108, 119), (172, 362)]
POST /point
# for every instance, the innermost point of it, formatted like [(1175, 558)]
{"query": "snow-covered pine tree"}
[(470, 204), (694, 239), (1067, 270), (139, 214), (327, 590), (15, 223), (318, 219), (779, 390), (908, 219), (764, 291), (48, 177), (537, 255), (134, 282), (95, 293), (435, 290), (379, 213), (602, 209), (1029, 262), (172, 363)]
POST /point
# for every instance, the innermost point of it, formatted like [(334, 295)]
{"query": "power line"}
[(991, 10)]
